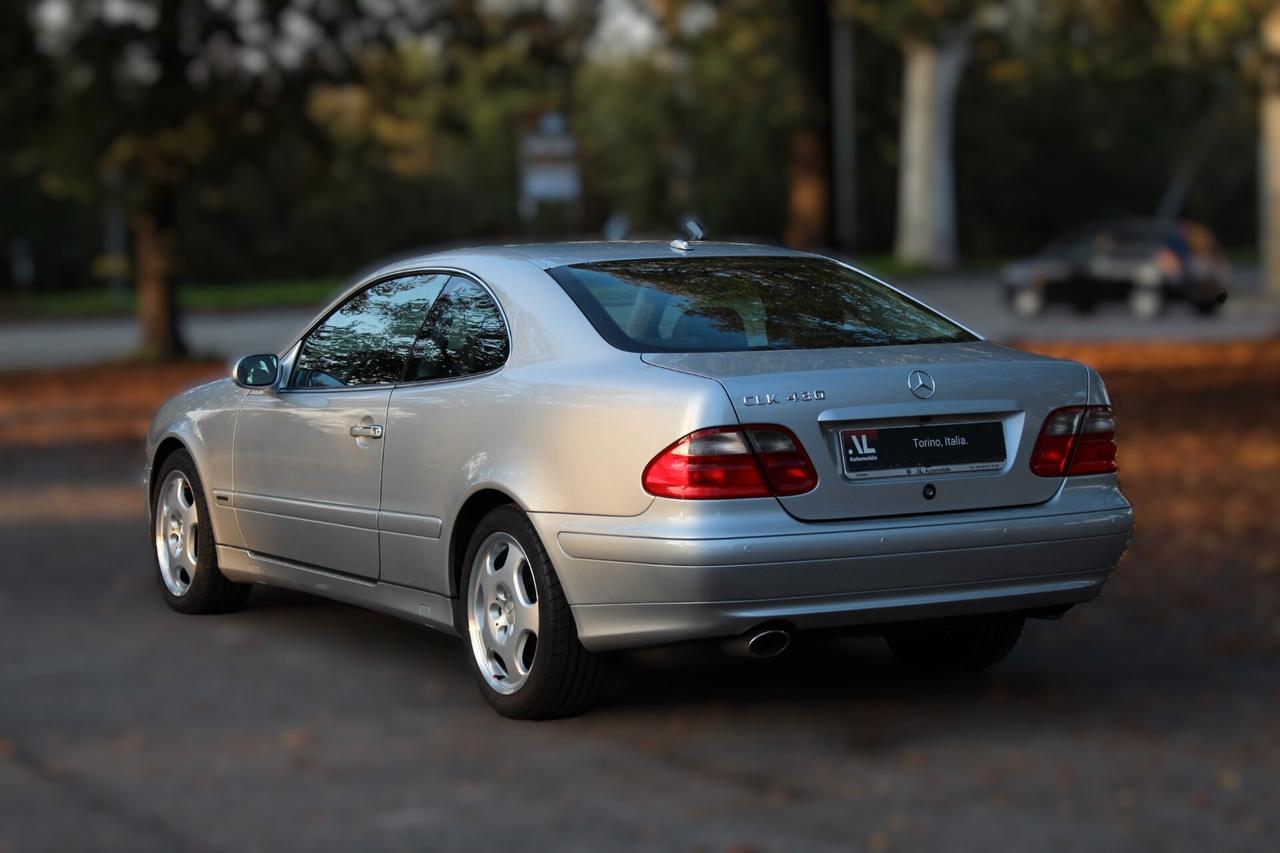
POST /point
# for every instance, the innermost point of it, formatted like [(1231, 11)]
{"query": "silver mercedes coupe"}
[(555, 451)]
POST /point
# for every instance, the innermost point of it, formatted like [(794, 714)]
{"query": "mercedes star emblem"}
[(921, 384)]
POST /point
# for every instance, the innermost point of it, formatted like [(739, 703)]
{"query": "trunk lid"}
[(820, 394)]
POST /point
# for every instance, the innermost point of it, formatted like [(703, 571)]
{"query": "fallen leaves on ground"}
[(1199, 436), (90, 404)]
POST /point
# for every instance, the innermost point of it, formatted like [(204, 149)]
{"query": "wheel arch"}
[(166, 448), (473, 509), (169, 445), (221, 522)]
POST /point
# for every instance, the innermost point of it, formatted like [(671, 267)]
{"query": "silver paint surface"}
[(564, 430)]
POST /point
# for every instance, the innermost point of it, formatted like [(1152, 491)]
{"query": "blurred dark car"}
[(1146, 262)]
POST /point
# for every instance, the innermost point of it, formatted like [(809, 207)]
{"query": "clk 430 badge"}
[(793, 397)]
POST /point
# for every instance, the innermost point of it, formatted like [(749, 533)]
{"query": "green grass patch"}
[(245, 296), (291, 293)]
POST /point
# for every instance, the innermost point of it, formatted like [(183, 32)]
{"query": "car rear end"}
[(885, 464)]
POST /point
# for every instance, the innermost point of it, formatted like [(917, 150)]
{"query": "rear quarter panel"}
[(567, 425), (573, 439)]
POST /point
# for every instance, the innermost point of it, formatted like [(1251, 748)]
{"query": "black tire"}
[(564, 678), (968, 646), (1207, 309), (210, 591)]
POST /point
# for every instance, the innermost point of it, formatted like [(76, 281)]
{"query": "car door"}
[(307, 469), (438, 429)]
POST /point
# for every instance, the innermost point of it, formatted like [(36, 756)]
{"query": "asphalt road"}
[(979, 303), (976, 301), (68, 342), (301, 724)]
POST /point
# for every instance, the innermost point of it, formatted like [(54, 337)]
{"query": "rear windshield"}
[(725, 304)]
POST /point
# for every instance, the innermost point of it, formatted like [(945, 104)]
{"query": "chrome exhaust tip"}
[(758, 643), (769, 644)]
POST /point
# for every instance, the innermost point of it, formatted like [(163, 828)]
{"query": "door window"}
[(464, 335), (367, 339)]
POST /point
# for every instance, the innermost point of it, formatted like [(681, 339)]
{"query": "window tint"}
[(366, 340), (719, 304), (464, 334)]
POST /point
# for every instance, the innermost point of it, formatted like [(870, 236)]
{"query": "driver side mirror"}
[(256, 371)]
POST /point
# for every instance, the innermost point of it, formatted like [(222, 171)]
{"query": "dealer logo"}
[(861, 445)]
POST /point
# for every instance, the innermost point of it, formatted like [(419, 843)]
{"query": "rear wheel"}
[(970, 646), (186, 558), (522, 641)]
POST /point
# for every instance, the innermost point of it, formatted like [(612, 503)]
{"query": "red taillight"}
[(1096, 448), (1076, 440), (786, 466), (731, 462)]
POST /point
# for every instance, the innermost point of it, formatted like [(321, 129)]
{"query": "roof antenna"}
[(693, 233)]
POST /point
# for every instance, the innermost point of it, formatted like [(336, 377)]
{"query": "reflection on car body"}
[(555, 451)]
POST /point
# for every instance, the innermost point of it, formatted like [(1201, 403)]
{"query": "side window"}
[(366, 340), (464, 334)]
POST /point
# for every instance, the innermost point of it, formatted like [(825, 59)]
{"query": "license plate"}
[(905, 451)]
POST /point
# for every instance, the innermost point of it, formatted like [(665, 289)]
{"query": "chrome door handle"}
[(367, 431)]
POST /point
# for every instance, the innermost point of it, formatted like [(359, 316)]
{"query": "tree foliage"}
[(285, 138)]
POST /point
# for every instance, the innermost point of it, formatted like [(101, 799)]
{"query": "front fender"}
[(203, 421)]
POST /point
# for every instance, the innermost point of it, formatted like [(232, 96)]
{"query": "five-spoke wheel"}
[(177, 532), (186, 559), (503, 619), (519, 629)]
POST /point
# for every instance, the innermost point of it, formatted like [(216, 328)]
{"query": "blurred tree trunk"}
[(808, 190), (1269, 167), (154, 239), (808, 224), (926, 177), (844, 128)]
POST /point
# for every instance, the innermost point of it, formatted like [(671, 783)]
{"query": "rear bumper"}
[(678, 572), (616, 626)]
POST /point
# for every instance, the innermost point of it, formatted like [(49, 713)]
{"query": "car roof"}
[(548, 255)]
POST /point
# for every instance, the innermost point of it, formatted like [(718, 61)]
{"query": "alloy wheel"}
[(503, 613), (177, 528)]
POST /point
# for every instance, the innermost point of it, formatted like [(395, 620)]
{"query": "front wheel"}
[(186, 558), (522, 641), (971, 645)]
